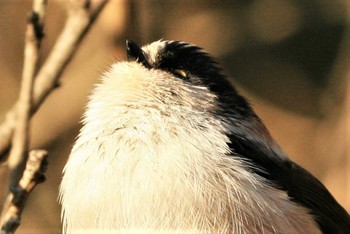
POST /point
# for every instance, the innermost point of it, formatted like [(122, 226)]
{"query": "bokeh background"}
[(289, 57)]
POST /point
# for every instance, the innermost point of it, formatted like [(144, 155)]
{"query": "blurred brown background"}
[(290, 57)]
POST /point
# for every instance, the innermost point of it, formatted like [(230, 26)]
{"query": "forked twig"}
[(81, 15)]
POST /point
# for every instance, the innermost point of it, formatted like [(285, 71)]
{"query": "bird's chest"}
[(147, 174), (171, 174)]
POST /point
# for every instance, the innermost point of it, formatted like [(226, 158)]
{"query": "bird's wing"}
[(301, 186)]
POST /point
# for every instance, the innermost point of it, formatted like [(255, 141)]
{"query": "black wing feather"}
[(301, 186)]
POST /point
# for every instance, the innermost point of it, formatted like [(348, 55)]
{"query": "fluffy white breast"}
[(151, 157)]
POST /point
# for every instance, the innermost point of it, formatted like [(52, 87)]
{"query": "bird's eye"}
[(180, 72)]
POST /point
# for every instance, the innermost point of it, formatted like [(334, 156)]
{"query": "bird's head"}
[(173, 73), (182, 60)]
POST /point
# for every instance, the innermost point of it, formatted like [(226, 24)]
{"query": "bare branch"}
[(33, 36), (15, 202), (81, 15)]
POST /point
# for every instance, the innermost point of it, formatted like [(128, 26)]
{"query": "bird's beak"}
[(135, 53)]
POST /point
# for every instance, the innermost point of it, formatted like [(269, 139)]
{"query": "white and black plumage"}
[(169, 146)]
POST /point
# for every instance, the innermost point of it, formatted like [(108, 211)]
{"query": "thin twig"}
[(15, 202), (33, 36), (81, 15)]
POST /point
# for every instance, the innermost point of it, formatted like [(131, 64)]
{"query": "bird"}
[(169, 145)]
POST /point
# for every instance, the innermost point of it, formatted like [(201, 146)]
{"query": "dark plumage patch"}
[(202, 70)]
